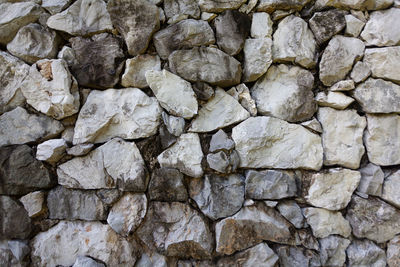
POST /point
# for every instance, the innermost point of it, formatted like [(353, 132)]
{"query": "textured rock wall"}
[(200, 133)]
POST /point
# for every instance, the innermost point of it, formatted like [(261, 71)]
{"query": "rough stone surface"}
[(390, 189), (221, 141), (365, 253), (242, 94), (326, 24), (345, 85), (257, 58), (360, 72), (83, 261), (360, 4), (52, 150), (272, 5), (14, 253), (261, 25), (80, 150), (371, 180), (292, 212), (297, 256), (313, 125), (167, 184), (34, 203), (175, 125), (179, 8), (354, 25), (383, 62), (333, 250), (14, 219), (135, 70), (218, 161), (55, 6), (335, 100), (219, 5), (393, 252)]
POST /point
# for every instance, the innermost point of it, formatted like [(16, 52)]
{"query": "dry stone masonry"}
[(199, 133)]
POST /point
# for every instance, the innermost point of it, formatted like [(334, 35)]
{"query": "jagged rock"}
[(109, 196), (345, 85), (313, 125), (297, 256), (242, 94), (260, 146), (83, 261), (248, 7), (14, 16), (136, 20), (390, 189), (218, 161), (270, 184), (203, 91), (185, 34), (52, 150), (206, 64), (20, 172), (307, 239), (177, 8), (173, 93), (175, 125), (103, 168), (189, 236), (34, 203), (68, 54), (327, 23), (381, 139), (374, 219), (166, 138), (80, 150), (333, 250), (65, 242), (285, 92), (208, 16), (325, 222), (15, 222), (55, 6), (342, 137), (220, 111), (335, 100), (360, 72), (338, 58), (272, 5), (294, 42), (98, 60), (393, 252), (135, 69), (354, 25), (166, 184), (218, 196), (371, 180), (292, 212), (14, 253), (219, 5), (360, 4), (384, 62), (257, 58), (152, 260), (18, 127), (250, 226), (221, 141), (128, 113), (261, 25), (127, 214), (365, 253)]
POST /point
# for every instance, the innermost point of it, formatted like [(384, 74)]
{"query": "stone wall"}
[(200, 133)]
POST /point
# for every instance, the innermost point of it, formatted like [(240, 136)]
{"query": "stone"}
[(360, 72), (219, 5), (80, 150), (383, 62), (153, 259), (377, 31), (65, 242), (354, 25), (365, 253), (185, 155), (136, 21), (103, 168), (338, 58), (83, 17), (221, 141), (68, 54), (292, 147), (55, 6), (250, 226), (34, 42), (18, 127), (34, 203), (185, 34), (128, 113), (14, 219), (206, 64), (345, 85), (373, 218), (20, 172), (393, 252), (326, 24), (292, 212), (259, 255), (248, 7), (294, 42), (109, 196), (166, 184), (7, 257), (381, 139), (189, 236), (342, 137), (220, 111), (166, 138), (313, 125), (173, 93), (297, 256), (231, 30), (135, 69), (261, 25), (176, 8), (285, 92), (98, 60), (19, 248), (272, 5), (51, 151), (14, 16), (390, 189), (371, 180), (333, 250), (257, 58), (208, 16), (360, 4), (325, 222), (335, 100), (83, 261), (218, 161), (127, 214), (270, 184), (203, 91), (242, 94), (174, 125), (217, 196)]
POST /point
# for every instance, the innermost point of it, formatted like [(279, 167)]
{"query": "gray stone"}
[(393, 252), (365, 253), (359, 4), (313, 125), (345, 85), (203, 91), (354, 25), (327, 23), (135, 69), (257, 58), (83, 261), (242, 94), (272, 5), (360, 72), (19, 248), (384, 62), (80, 150), (335, 100), (221, 141), (34, 203), (178, 8), (292, 212), (218, 161), (152, 260), (219, 5), (166, 184), (333, 250), (208, 16), (297, 256), (174, 125), (166, 138), (55, 6), (261, 25), (248, 7), (371, 180), (109, 196), (68, 54), (7, 256), (390, 189), (14, 219), (52, 150)]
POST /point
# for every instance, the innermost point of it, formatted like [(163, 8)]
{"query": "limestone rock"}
[(393, 252), (285, 92), (166, 184), (206, 64), (360, 72), (257, 58), (345, 85), (242, 94), (335, 100), (297, 256), (294, 42), (136, 20), (18, 127), (219, 5), (260, 146), (390, 189), (221, 141), (65, 242), (219, 162), (152, 260), (128, 113), (384, 62), (292, 212), (177, 8), (272, 5), (135, 69), (34, 203), (15, 222), (327, 23), (208, 16), (365, 253), (354, 25), (189, 236), (248, 7), (218, 196), (313, 125), (371, 180), (55, 6), (52, 150), (338, 58), (333, 250), (203, 91), (80, 150), (14, 253), (261, 25), (220, 111), (83, 261), (173, 93), (342, 137), (127, 214), (175, 125)]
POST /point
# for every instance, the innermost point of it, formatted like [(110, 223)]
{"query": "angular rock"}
[(153, 259), (206, 64), (360, 72), (185, 34), (393, 252), (313, 125), (247, 8), (390, 189), (17, 251), (354, 25), (297, 256), (292, 212), (80, 150), (333, 250), (14, 219), (83, 261), (384, 62), (136, 20), (327, 23), (285, 92), (189, 236), (345, 85), (365, 253), (217, 196), (178, 8), (55, 6), (335, 100), (272, 5), (371, 180), (294, 42), (342, 137), (242, 94), (221, 141), (219, 5), (185, 155), (360, 4), (166, 184), (65, 242), (128, 113), (135, 69), (257, 58), (261, 25), (174, 125), (218, 161), (173, 93), (34, 203), (293, 147), (338, 58), (203, 91), (98, 60), (51, 151), (109, 196), (208, 16)]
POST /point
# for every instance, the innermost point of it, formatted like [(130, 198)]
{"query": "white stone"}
[(34, 203), (208, 16), (219, 6), (371, 180), (345, 85), (354, 25), (51, 150), (55, 6), (242, 94), (333, 250), (257, 58), (390, 190), (360, 72), (313, 125), (335, 100), (135, 69), (384, 62), (261, 25)]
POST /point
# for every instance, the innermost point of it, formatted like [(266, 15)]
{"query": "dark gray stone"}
[(327, 23), (297, 256), (14, 219), (109, 196), (202, 90), (166, 184)]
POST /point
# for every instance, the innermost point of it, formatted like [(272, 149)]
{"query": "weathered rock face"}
[(365, 253), (14, 220), (55, 6), (135, 70), (297, 256), (360, 4), (51, 150), (383, 62), (333, 250), (354, 25), (335, 100), (34, 203), (326, 24), (390, 189), (166, 184), (292, 212), (272, 5), (219, 5), (261, 25), (181, 8), (83, 261), (221, 141), (371, 180), (14, 253), (393, 252), (242, 94), (257, 58)]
